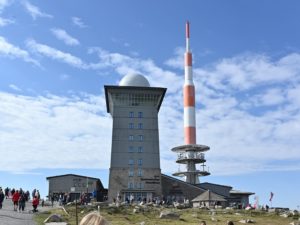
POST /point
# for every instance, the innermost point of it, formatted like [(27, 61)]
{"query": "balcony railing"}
[(191, 155)]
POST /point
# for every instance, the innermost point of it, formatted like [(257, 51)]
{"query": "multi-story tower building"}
[(135, 160)]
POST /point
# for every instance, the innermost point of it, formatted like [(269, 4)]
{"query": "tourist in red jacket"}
[(35, 203), (15, 199)]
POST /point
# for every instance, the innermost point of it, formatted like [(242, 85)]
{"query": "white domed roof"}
[(134, 79)]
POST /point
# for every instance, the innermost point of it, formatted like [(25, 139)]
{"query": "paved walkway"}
[(10, 217)]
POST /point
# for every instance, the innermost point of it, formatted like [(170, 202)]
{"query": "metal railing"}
[(191, 155)]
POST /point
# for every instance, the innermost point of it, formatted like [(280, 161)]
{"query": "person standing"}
[(15, 199), (6, 192), (22, 200), (1, 198), (35, 203)]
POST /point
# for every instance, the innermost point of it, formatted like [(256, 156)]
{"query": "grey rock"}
[(247, 221), (169, 215), (214, 219), (294, 223), (53, 218)]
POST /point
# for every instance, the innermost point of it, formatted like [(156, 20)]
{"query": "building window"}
[(140, 114), (140, 126), (131, 162), (131, 173), (140, 172), (130, 137), (131, 149), (141, 137), (130, 125), (140, 149), (130, 185), (140, 162), (140, 185), (131, 114)]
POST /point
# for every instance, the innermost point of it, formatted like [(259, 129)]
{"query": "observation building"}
[(135, 160)]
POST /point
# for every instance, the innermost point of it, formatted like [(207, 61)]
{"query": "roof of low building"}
[(237, 192), (220, 185), (209, 196), (183, 182), (70, 174)]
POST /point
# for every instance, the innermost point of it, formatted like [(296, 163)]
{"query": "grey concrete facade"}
[(135, 159), (64, 183)]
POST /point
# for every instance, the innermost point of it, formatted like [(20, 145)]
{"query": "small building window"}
[(130, 137), (131, 173), (141, 137), (131, 114), (130, 185), (131, 162), (140, 126), (140, 172), (140, 186), (140, 149), (140, 162), (130, 125), (140, 114), (130, 149)]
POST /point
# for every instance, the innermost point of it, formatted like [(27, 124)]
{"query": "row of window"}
[(132, 149), (139, 137), (131, 126), (131, 173), (137, 185), (139, 162), (140, 115)]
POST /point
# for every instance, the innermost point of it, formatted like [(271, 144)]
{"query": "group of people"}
[(19, 198)]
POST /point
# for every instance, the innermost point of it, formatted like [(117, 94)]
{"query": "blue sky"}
[(55, 58)]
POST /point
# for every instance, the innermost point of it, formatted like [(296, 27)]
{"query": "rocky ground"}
[(154, 215)]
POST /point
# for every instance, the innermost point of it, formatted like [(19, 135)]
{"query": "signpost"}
[(76, 213)]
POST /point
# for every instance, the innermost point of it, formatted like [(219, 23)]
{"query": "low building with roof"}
[(75, 185), (208, 199)]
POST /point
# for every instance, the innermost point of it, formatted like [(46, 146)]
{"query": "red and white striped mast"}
[(189, 94), (190, 154)]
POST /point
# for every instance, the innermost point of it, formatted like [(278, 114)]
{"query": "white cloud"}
[(244, 136), (5, 22), (55, 54), (34, 11), (62, 35), (14, 87), (272, 96), (3, 4), (177, 61), (41, 132), (9, 50), (246, 71), (78, 22)]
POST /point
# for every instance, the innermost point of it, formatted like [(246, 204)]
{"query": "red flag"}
[(271, 196)]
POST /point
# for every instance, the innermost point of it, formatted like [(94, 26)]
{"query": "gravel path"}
[(10, 217)]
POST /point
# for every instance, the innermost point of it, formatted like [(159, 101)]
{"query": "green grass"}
[(125, 215)]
